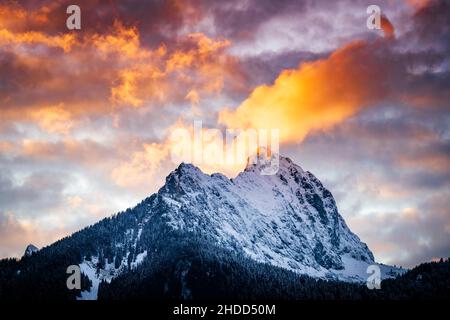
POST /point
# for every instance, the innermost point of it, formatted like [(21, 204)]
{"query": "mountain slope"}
[(287, 220)]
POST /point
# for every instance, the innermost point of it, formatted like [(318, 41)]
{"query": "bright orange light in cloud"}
[(13, 16), (212, 150), (37, 38), (142, 166), (316, 96), (54, 119)]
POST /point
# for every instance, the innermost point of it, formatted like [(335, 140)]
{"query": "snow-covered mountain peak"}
[(30, 250), (274, 164), (185, 179), (288, 219)]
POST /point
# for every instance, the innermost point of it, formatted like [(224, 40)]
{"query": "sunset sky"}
[(86, 115)]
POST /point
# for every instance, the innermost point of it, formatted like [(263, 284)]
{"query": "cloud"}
[(434, 157), (16, 235), (54, 119), (241, 20), (151, 162), (317, 95), (143, 166), (37, 191), (321, 94), (412, 235), (53, 80), (418, 4), (401, 143)]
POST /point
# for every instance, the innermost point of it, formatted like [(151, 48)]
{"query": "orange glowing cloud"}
[(54, 119), (212, 150), (15, 17), (142, 167), (36, 38), (316, 96), (52, 80), (15, 24)]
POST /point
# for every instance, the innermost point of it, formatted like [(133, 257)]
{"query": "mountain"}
[(288, 219), (30, 250), (266, 226)]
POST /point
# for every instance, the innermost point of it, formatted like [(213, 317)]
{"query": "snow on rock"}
[(139, 259), (107, 273), (89, 269)]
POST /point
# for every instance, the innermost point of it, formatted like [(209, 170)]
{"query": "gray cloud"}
[(412, 236), (38, 192)]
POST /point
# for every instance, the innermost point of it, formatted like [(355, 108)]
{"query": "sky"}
[(87, 116)]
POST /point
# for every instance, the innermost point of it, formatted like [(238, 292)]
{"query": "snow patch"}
[(139, 259)]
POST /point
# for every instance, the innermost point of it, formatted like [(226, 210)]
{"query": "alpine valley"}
[(206, 237)]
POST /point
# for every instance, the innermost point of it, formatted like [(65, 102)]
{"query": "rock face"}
[(30, 250)]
